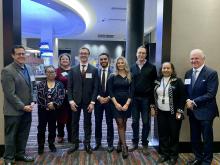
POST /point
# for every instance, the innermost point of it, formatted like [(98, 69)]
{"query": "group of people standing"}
[(122, 93)]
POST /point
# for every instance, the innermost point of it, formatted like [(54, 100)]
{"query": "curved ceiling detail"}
[(47, 15)]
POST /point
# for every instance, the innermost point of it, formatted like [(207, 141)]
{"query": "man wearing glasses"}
[(82, 93), (17, 83)]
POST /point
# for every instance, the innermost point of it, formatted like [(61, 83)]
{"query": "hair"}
[(85, 48), (106, 54), (142, 46), (173, 75), (65, 54), (16, 47), (127, 70), (47, 67), (198, 51)]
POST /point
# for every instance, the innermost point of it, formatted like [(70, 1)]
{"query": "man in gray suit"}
[(82, 93), (17, 83)]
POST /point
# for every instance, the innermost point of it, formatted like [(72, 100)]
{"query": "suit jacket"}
[(203, 93), (100, 91), (18, 92), (83, 90)]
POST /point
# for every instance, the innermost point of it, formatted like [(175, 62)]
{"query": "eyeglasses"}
[(20, 54), (51, 72)]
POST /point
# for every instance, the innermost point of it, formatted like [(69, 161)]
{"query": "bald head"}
[(197, 58)]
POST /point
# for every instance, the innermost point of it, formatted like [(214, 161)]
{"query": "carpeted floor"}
[(100, 157)]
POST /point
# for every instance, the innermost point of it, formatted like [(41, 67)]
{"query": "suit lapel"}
[(199, 78), (78, 72), (21, 74)]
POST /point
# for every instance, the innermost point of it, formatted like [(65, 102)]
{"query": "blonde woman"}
[(120, 90)]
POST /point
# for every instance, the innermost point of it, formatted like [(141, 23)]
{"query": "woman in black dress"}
[(120, 90)]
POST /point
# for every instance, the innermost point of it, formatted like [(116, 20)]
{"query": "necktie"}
[(25, 74), (194, 76), (83, 72), (103, 80)]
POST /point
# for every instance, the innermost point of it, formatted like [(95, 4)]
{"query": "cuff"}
[(92, 102)]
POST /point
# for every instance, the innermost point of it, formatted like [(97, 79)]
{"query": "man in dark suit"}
[(143, 76), (17, 83), (82, 93), (201, 84), (103, 104)]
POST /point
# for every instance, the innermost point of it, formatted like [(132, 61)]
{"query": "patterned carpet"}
[(100, 157)]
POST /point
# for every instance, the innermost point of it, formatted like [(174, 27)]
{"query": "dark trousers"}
[(168, 131), (60, 129), (202, 128), (86, 122), (140, 107), (46, 117), (17, 130), (99, 110)]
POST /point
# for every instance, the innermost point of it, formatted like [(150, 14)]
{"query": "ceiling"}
[(108, 19)]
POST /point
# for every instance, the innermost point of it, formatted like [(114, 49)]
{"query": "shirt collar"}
[(139, 64), (104, 68), (199, 69)]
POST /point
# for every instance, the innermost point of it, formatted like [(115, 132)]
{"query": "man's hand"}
[(28, 108), (73, 106), (103, 100), (189, 104), (90, 108)]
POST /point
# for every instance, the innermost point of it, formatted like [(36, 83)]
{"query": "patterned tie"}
[(83, 72), (103, 80), (194, 77)]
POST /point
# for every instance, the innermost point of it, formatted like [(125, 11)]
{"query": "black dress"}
[(121, 89)]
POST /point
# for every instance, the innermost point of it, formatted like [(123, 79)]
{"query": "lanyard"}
[(164, 89)]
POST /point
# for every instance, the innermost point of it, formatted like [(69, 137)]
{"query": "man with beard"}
[(103, 104)]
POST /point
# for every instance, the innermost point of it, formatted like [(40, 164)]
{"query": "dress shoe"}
[(133, 147), (145, 150), (162, 159), (119, 148), (97, 146), (194, 162), (9, 162), (110, 148), (24, 158), (88, 148), (52, 148), (124, 152), (73, 148), (172, 161), (60, 139)]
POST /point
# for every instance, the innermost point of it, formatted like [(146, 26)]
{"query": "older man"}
[(17, 83), (201, 84)]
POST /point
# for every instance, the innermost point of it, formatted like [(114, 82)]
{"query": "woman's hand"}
[(118, 106), (51, 106), (125, 107)]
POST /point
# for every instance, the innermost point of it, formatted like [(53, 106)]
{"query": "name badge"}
[(187, 81), (32, 78), (88, 75), (64, 74)]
